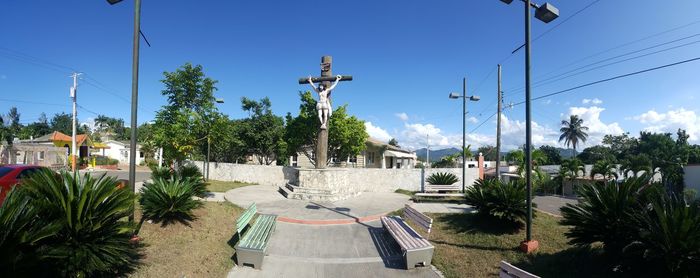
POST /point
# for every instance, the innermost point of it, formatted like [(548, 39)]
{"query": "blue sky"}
[(406, 56)]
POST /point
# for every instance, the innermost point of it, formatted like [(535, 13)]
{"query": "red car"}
[(10, 175)]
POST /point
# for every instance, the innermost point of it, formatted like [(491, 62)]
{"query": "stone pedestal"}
[(330, 184)]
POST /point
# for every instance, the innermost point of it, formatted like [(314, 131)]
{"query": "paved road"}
[(123, 174), (552, 204)]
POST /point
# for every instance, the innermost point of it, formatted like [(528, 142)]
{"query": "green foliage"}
[(571, 168), (394, 142), (104, 160), (87, 218), (346, 137), (593, 154), (20, 233), (604, 168), (669, 236), (604, 213), (186, 172), (552, 154), (690, 194), (496, 199), (489, 152), (169, 199), (262, 132), (573, 131), (186, 119), (111, 127), (634, 164), (442, 178)]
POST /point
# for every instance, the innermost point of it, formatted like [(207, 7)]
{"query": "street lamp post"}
[(218, 100), (464, 127), (545, 13), (134, 94)]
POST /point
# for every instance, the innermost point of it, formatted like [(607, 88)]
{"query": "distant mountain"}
[(435, 155)]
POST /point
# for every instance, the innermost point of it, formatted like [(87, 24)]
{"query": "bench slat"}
[(510, 271), (439, 194), (407, 238), (419, 218), (259, 233), (245, 218)]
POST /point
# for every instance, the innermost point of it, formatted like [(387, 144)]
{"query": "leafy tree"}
[(182, 124), (634, 164), (36, 129), (571, 168), (263, 132), (113, 128), (63, 123), (573, 131), (552, 154), (346, 136), (621, 145), (394, 142), (489, 152), (10, 126), (667, 155), (597, 153)]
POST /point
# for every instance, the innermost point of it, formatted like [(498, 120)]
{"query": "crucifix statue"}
[(323, 107)]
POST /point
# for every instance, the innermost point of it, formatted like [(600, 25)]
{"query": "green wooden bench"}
[(252, 246)]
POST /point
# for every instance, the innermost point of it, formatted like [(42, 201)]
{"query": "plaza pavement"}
[(327, 239), (551, 203)]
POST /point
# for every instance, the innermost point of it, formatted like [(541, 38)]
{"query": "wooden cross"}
[(325, 79)]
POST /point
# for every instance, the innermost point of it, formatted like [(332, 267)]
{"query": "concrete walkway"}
[(442, 208)]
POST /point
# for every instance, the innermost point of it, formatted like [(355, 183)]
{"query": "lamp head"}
[(507, 1), (474, 98), (219, 100), (546, 13), (112, 2), (454, 95)]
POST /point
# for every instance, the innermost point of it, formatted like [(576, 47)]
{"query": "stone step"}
[(289, 194), (306, 190)]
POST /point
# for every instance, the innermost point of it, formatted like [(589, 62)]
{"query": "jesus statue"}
[(324, 105)]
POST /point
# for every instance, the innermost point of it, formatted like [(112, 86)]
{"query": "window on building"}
[(370, 158), (40, 155), (295, 161), (141, 154), (352, 159)]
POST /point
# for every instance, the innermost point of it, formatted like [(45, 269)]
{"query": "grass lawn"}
[(468, 246), (198, 248), (223, 186)]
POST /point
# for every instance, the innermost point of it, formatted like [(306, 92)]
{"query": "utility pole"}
[(74, 97), (498, 127), (464, 134)]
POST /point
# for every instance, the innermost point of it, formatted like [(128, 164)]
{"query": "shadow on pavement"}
[(388, 249)]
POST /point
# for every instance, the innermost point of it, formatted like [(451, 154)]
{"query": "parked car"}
[(11, 175)]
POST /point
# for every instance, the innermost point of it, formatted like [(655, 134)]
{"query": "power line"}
[(555, 79), (612, 78), (32, 102)]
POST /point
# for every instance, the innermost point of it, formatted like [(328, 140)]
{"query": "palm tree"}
[(605, 168), (572, 131)]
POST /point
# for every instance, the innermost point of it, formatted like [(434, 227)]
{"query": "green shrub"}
[(103, 160), (87, 217), (690, 194), (21, 231), (493, 198), (164, 173), (185, 172), (669, 236), (169, 199), (442, 178), (604, 213)]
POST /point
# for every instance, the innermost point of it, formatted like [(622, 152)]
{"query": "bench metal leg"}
[(419, 257), (250, 257)]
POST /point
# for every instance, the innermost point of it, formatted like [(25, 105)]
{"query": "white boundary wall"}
[(692, 176), (364, 179)]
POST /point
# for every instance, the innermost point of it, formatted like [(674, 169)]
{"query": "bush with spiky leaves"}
[(184, 172), (169, 199), (21, 232), (87, 216), (504, 201), (669, 236), (605, 213), (442, 178)]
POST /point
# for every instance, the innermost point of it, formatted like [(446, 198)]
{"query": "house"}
[(377, 154), (119, 150), (58, 139)]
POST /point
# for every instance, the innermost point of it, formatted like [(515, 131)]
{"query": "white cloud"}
[(546, 101), (377, 132), (671, 121), (594, 101), (513, 134), (403, 116), (597, 129), (415, 136), (472, 120), (90, 123)]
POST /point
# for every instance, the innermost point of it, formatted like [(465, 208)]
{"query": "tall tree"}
[(182, 123), (347, 135), (394, 142), (573, 131), (489, 152), (263, 132), (593, 154), (63, 123), (112, 128), (621, 145), (552, 154)]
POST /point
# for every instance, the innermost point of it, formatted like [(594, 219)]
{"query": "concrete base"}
[(321, 185), (529, 246)]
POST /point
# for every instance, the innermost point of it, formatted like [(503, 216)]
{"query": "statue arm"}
[(311, 83), (337, 79)]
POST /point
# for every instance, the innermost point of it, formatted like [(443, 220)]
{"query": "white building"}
[(119, 150)]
